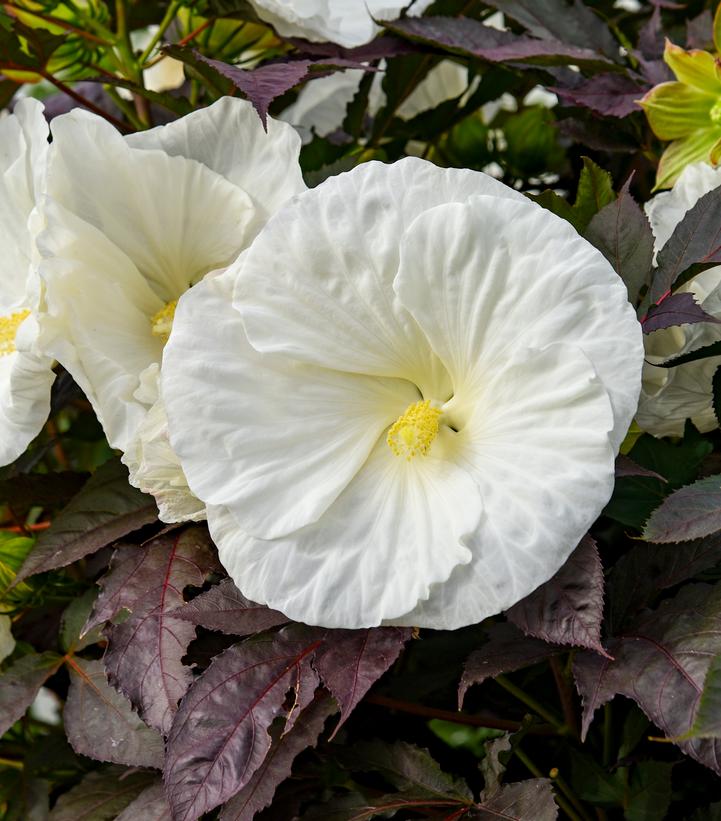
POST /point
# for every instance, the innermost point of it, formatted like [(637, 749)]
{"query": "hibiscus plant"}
[(360, 394)]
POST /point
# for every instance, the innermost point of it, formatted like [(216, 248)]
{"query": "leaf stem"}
[(60, 85), (170, 13), (456, 717), (565, 694), (530, 702), (560, 799)]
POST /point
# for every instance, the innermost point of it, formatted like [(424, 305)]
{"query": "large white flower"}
[(130, 224), (670, 396), (346, 22), (416, 399), (25, 376)]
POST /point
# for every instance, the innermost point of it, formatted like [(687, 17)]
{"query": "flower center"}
[(715, 112), (8, 329), (162, 322), (414, 431)]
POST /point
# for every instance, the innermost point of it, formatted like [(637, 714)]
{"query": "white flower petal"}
[(174, 217), (322, 270), (479, 294), (350, 570), (153, 464), (251, 429), (346, 22), (538, 447), (228, 138), (25, 382), (668, 208)]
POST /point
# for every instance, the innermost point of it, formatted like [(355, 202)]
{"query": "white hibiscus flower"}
[(25, 376), (130, 224), (416, 400), (346, 22), (670, 396)]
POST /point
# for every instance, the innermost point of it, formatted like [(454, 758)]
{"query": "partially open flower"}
[(25, 376), (130, 224), (687, 111), (670, 396), (415, 403)]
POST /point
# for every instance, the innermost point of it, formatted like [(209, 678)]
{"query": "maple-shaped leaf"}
[(220, 737), (143, 658), (690, 513), (353, 660), (100, 723), (276, 767), (106, 509), (225, 608), (530, 800), (567, 609), (505, 650), (661, 661)]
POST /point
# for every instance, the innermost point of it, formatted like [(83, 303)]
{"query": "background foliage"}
[(147, 658)]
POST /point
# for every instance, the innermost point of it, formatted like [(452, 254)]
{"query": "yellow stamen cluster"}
[(8, 329), (414, 431), (162, 322)]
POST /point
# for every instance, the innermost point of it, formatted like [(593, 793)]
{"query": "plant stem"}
[(607, 734), (560, 799), (170, 13), (124, 106), (83, 101), (529, 701), (456, 717), (565, 694)]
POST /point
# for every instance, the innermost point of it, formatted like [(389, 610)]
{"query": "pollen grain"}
[(8, 330), (413, 432)]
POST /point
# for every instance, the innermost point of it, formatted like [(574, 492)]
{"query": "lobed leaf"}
[(219, 737), (506, 650), (353, 660), (226, 609), (521, 801), (567, 609), (100, 723), (660, 662), (689, 513), (144, 655), (105, 510), (675, 309)]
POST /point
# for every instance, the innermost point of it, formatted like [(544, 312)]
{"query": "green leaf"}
[(649, 791), (73, 619), (105, 510), (707, 723), (595, 191)]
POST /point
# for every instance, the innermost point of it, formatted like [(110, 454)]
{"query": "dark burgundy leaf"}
[(105, 510), (143, 659), (622, 233), (356, 807), (100, 723), (259, 791), (220, 734), (567, 609), (506, 650), (699, 31), (626, 467), (353, 660), (101, 795), (572, 23), (463, 35), (40, 489), (19, 685), (226, 609), (696, 239), (522, 801), (661, 662), (150, 805), (689, 513), (381, 48), (647, 569), (612, 95), (407, 767), (675, 309)]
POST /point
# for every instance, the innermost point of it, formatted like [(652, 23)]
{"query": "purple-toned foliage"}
[(689, 513), (675, 309), (20, 682)]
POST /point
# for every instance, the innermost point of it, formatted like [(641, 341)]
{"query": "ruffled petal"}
[(273, 440), (25, 382), (537, 445), (97, 319), (173, 217), (397, 529), (153, 464), (697, 147), (479, 294), (228, 138), (323, 267)]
